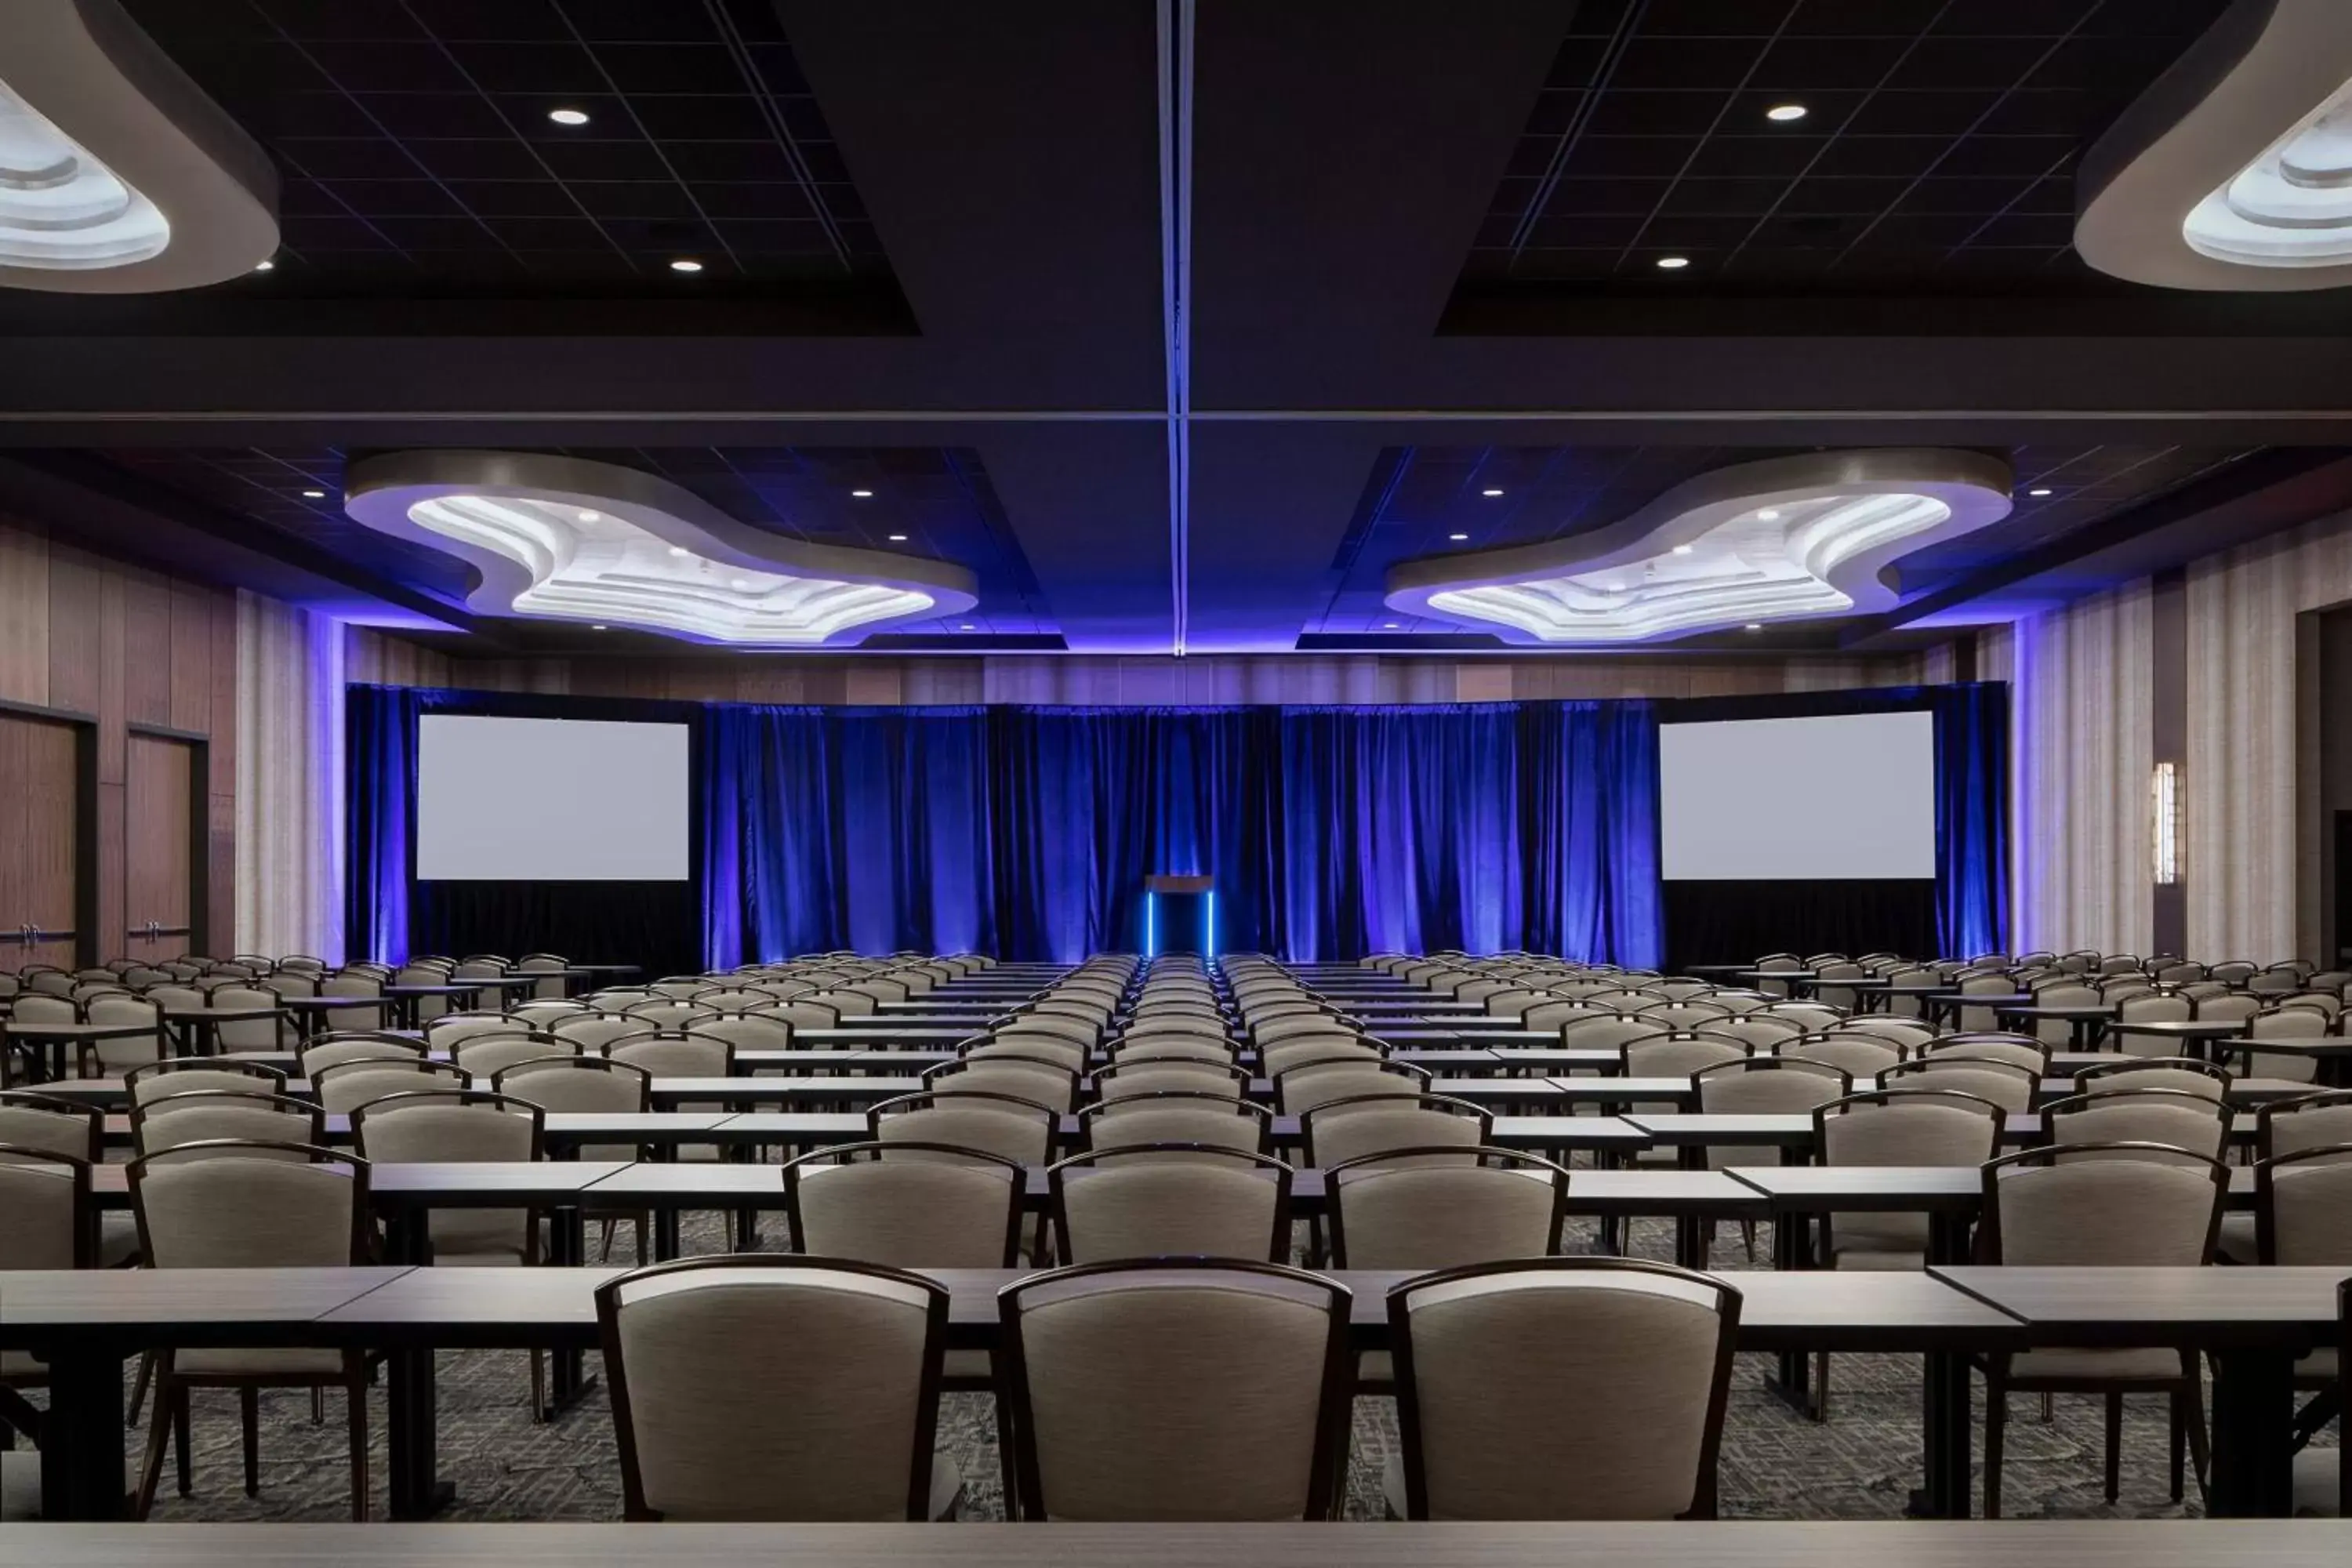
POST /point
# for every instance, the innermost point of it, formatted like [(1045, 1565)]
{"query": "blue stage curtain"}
[(380, 781), (1330, 832), (1971, 817)]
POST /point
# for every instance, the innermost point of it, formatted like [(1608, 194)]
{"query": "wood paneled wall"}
[(84, 634), (1078, 678)]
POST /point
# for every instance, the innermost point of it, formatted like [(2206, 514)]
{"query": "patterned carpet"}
[(1860, 1464)]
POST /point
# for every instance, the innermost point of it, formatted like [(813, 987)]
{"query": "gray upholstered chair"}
[(2197, 1124), (1165, 1046), (1011, 1129), (2006, 1085), (1037, 1079), (183, 1075), (599, 1031), (1200, 1389), (1169, 1200), (357, 1046), (169, 1121), (1301, 1087), (1179, 1116), (1489, 1356), (1342, 1129), (960, 1211), (47, 1221), (486, 1055), (2081, 1206), (774, 1388), (116, 1056), (250, 1205), (1860, 1058), (345, 1087), (2184, 1075)]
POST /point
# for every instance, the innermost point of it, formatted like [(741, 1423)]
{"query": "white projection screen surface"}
[(551, 800), (1846, 798)]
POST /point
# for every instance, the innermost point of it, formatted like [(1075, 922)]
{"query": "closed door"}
[(158, 860), (38, 819)]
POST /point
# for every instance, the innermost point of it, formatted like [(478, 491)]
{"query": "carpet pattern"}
[(1776, 1463)]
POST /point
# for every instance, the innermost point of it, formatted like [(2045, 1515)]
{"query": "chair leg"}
[(355, 1404), (538, 1388), (1996, 1418), (159, 1432), (2198, 1455), (2048, 1414), (248, 1414), (2115, 1444), (1821, 1386), (604, 1254), (138, 1387), (318, 1406), (1748, 1239)]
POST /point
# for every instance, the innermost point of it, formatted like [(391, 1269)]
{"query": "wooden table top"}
[(2022, 1544), (2111, 1307)]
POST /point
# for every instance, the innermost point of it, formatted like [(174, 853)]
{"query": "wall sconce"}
[(2164, 815)]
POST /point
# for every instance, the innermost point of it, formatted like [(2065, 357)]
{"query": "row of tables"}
[(2254, 1321)]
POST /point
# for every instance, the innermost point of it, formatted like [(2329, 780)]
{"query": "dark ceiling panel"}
[(939, 499), (417, 155), (1938, 145), (1418, 499)]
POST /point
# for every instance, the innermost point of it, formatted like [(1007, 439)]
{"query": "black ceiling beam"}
[(2258, 495)]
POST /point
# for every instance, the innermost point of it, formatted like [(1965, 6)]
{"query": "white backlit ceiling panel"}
[(2234, 170), (117, 173), (1781, 539), (565, 539)]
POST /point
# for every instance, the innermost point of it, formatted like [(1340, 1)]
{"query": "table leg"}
[(82, 1473), (1793, 1383), (1945, 1437), (567, 1248), (418, 1491), (2253, 1434)]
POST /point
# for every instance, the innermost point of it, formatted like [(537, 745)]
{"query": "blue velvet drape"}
[(1972, 817), (1330, 831)]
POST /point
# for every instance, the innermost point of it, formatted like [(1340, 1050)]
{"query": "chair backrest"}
[(1341, 1130), (1860, 1057), (1488, 1357), (577, 1084), (443, 1033), (1205, 1389), (1066, 1054), (1049, 1083), (1906, 1033), (1173, 1048), (1769, 1086), (236, 1204), (2303, 1206), (2079, 1207), (960, 1211), (47, 1218), (2005, 1084), (182, 1075), (758, 1386), (1680, 1056), (669, 1012), (1906, 1127), (1275, 1060), (449, 1126), (2306, 1122), (345, 1088), (1079, 1032), (1404, 1209), (1161, 1200), (484, 1056), (748, 1031), (2288, 1023), (42, 1007), (209, 1115), (1683, 1014), (2233, 1004), (40, 1123), (597, 1031), (2018, 1050), (684, 1054), (1011, 1128), (1125, 1079), (2123, 1118), (1302, 1086), (1607, 1032), (1757, 1032), (1179, 1116), (2183, 1075), (339, 1050)]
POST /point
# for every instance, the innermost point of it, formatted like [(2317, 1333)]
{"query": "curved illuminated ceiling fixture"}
[(558, 538), (117, 174), (1779, 540), (2234, 169)]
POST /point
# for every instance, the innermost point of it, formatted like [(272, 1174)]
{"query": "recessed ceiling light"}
[(743, 585), (862, 495), (1753, 627), (1672, 263), (568, 116), (314, 495), (1490, 492), (967, 627), (1388, 625), (1785, 112), (1457, 538), (2038, 490), (1770, 514), (592, 517), (1682, 550), (264, 265), (598, 627), (685, 264), (680, 549), (898, 539)]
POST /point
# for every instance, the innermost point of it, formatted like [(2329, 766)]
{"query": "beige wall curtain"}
[(289, 776), (2080, 752), (2238, 789)]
